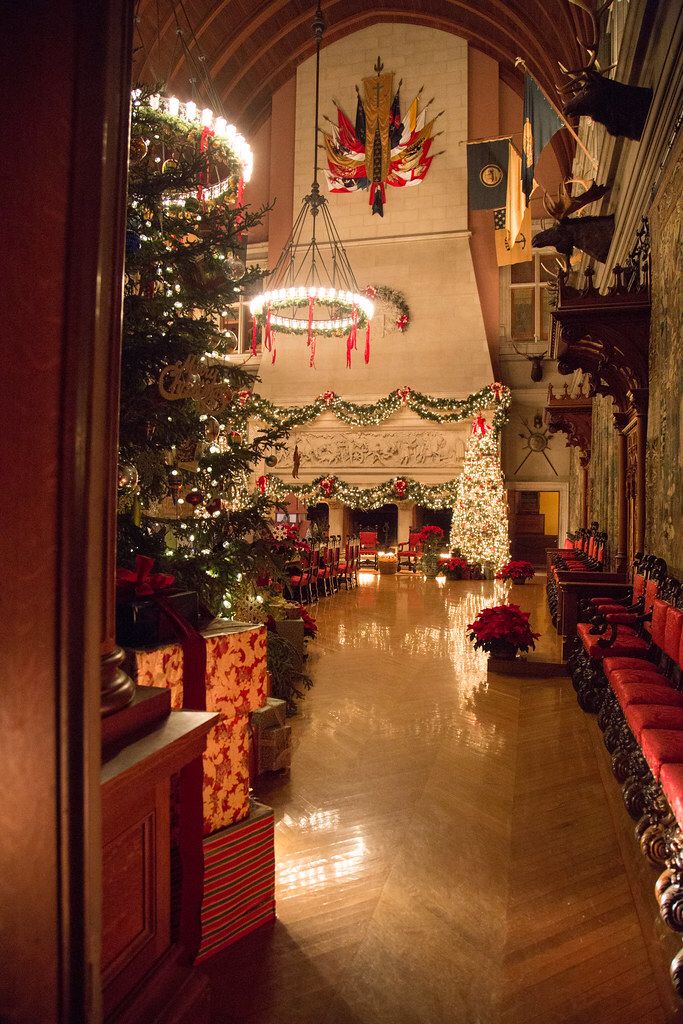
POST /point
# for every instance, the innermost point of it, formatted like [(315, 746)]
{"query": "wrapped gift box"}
[(273, 712), (236, 685), (239, 880), (141, 622), (273, 749)]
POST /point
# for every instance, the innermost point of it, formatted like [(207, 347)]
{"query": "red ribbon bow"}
[(143, 581)]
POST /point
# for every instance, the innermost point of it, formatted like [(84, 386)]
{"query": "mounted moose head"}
[(536, 364), (593, 235), (623, 109)]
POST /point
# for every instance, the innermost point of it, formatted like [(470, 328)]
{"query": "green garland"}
[(427, 407), (393, 298), (397, 489)]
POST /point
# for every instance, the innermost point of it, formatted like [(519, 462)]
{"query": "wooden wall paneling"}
[(62, 166)]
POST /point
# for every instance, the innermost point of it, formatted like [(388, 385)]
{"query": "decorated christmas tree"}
[(480, 519), (186, 491)]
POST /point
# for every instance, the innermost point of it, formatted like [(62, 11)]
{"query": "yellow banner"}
[(520, 252), (378, 93)]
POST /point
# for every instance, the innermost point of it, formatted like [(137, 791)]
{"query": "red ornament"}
[(194, 497), (327, 485), (243, 396), (400, 486)]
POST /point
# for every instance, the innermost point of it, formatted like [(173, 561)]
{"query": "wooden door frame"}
[(548, 485), (67, 92)]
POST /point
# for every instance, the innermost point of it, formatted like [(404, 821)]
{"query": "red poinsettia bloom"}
[(505, 622), (431, 535), (516, 571), (310, 625)]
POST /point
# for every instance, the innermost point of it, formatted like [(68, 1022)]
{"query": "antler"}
[(527, 356), (566, 204), (576, 74)]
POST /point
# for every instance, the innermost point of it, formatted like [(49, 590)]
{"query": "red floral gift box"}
[(236, 684)]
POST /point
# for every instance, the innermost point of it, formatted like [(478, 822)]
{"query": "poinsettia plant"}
[(455, 567), (431, 537), (516, 571), (504, 623)]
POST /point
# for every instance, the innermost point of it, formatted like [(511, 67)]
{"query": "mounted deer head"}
[(536, 364), (623, 109)]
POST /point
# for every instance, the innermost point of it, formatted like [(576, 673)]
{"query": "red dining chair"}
[(368, 546), (410, 550)]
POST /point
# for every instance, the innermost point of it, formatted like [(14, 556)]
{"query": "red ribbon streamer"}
[(268, 337), (311, 361), (352, 340), (254, 329), (311, 304), (367, 343), (203, 146)]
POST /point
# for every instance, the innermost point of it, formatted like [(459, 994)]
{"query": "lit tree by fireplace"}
[(480, 518)]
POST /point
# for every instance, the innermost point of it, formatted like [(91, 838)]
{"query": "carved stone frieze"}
[(398, 450)]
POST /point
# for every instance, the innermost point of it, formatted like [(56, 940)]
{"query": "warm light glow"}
[(284, 298)]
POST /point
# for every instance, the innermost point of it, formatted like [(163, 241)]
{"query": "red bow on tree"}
[(400, 488), (143, 582), (403, 394), (328, 397), (244, 394), (480, 426), (497, 390), (262, 484), (327, 485)]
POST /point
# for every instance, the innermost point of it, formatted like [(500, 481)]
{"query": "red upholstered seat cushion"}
[(609, 608), (603, 600), (626, 643), (647, 693), (634, 675), (653, 716), (612, 664), (296, 580), (661, 746), (671, 778)]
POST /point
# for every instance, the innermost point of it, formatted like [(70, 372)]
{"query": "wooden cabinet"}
[(146, 972)]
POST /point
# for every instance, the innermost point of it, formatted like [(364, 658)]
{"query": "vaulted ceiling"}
[(248, 48)]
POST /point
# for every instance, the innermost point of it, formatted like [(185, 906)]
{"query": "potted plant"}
[(518, 572), (502, 631), (431, 539), (454, 567)]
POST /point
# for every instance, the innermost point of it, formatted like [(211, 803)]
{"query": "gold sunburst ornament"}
[(536, 441)]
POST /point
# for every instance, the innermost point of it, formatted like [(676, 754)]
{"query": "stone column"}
[(406, 512), (336, 527)]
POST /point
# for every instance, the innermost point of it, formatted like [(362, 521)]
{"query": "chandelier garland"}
[(427, 407), (323, 488)]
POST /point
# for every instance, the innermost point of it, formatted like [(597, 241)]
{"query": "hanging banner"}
[(487, 173)]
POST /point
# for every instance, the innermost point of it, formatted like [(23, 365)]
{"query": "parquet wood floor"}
[(450, 850)]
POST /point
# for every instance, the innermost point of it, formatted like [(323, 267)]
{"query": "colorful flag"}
[(507, 253), (515, 200), (540, 123), (487, 173)]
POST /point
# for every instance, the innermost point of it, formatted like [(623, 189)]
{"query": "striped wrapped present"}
[(239, 880)]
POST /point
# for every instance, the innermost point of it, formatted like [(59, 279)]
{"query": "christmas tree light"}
[(480, 519)]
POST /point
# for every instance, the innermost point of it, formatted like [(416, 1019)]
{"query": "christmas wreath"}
[(392, 298)]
